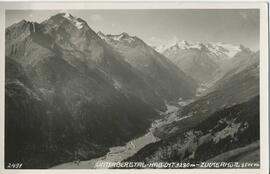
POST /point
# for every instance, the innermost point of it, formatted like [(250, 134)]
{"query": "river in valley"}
[(119, 153)]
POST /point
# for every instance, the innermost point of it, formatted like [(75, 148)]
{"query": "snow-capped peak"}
[(101, 35), (160, 48), (216, 48), (228, 49), (186, 45), (74, 20), (183, 42), (123, 36), (67, 15), (120, 37)]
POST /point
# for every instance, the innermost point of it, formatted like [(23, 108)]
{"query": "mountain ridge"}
[(204, 62), (161, 73), (87, 101)]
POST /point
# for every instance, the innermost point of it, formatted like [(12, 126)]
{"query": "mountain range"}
[(162, 75), (207, 62), (222, 125), (70, 90)]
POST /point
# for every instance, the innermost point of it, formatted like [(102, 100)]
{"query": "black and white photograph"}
[(132, 88)]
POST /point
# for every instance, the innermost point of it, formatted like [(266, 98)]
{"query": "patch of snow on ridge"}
[(119, 37), (67, 15), (186, 45), (78, 24), (101, 35), (160, 48), (221, 48), (123, 36), (73, 19), (232, 50)]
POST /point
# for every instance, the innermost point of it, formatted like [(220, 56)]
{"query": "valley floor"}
[(120, 153)]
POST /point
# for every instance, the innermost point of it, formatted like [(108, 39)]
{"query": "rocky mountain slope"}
[(166, 79), (68, 92), (80, 48), (232, 129), (225, 119), (206, 62)]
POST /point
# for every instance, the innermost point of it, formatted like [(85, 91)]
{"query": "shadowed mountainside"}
[(68, 92)]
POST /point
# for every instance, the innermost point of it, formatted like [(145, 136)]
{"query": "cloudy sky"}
[(164, 26)]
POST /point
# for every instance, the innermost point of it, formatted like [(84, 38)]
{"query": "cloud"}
[(96, 18)]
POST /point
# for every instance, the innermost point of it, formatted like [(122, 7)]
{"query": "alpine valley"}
[(72, 93)]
